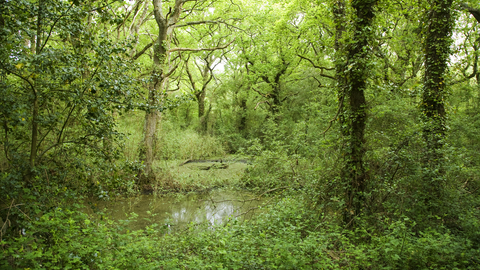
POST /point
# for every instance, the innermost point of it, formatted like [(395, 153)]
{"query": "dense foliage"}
[(359, 120)]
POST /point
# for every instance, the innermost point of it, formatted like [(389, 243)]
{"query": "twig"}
[(335, 118), (48, 180), (13, 206), (6, 220), (23, 212), (260, 102)]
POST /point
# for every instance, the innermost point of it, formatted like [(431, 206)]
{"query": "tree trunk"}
[(339, 17), (243, 115), (201, 110), (276, 103), (206, 73), (151, 119), (38, 47), (352, 97), (158, 83), (437, 51)]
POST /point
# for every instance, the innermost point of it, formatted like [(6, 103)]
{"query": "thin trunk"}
[(201, 110), (187, 116), (35, 109), (277, 88), (200, 94), (2, 21), (2, 80), (151, 119), (207, 78), (340, 58), (476, 47), (201, 104), (135, 27), (243, 117)]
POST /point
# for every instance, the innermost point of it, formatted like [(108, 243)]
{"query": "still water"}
[(176, 210)]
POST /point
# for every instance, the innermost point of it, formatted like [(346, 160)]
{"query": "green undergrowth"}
[(286, 235)]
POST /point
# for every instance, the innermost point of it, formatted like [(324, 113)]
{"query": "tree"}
[(269, 53), (469, 49), (60, 83), (437, 52), (354, 71), (168, 18), (205, 66)]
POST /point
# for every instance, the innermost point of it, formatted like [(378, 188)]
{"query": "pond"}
[(177, 210)]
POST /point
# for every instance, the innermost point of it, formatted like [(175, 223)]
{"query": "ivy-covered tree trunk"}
[(437, 51), (355, 73)]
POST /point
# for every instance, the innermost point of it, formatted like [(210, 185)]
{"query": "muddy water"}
[(176, 211)]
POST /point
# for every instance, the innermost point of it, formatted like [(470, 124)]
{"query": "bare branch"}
[(340, 106), (140, 53), (315, 65)]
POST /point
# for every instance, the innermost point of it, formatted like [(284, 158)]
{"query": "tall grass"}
[(173, 142), (132, 126)]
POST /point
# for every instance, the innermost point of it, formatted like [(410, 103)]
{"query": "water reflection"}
[(178, 210)]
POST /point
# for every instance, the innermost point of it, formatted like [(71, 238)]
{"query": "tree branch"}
[(340, 106), (313, 64), (196, 23), (260, 102), (140, 53), (200, 49), (475, 12), (51, 28)]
